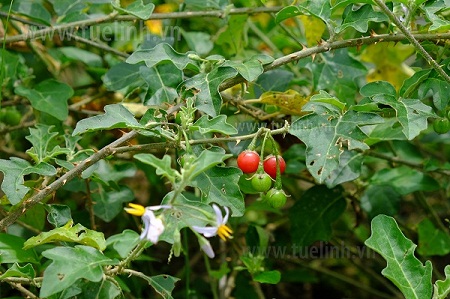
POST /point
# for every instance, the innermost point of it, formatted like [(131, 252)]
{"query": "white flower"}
[(220, 228), (206, 247), (153, 226)]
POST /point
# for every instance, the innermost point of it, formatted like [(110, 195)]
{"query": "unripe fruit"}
[(261, 182)]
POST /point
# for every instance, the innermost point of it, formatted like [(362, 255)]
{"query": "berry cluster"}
[(249, 162)]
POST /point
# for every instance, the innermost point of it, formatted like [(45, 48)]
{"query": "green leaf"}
[(206, 85), (45, 144), (116, 116), (124, 242), (403, 268), (200, 42), (49, 96), (432, 241), (14, 170), (66, 8), (378, 87), (411, 113), (435, 12), (217, 124), (249, 69), (318, 8), (58, 215), (34, 217), (439, 89), (160, 53), (412, 83), (33, 9), (337, 72), (12, 251), (67, 233), (109, 204), (272, 277), (359, 18), (16, 270), (162, 284), (220, 185), (349, 169), (162, 80), (124, 76), (327, 134), (287, 13), (137, 8), (76, 54), (70, 264), (274, 80), (380, 199), (232, 36), (184, 213), (312, 215), (405, 180), (105, 288), (163, 166), (442, 287)]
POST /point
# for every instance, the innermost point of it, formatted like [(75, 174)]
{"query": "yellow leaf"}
[(290, 101), (314, 28), (389, 63)]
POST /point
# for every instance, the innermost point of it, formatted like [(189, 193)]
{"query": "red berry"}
[(248, 161), (270, 165)]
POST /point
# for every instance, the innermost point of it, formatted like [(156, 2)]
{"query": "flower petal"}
[(154, 208), (206, 247), (218, 212), (227, 214), (207, 231)]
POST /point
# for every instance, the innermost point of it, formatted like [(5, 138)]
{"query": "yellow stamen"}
[(134, 209), (224, 232)]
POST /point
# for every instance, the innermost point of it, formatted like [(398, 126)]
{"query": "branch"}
[(156, 16), (76, 171), (412, 40), (325, 47)]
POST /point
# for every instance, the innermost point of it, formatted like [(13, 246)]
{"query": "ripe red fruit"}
[(270, 165), (248, 161)]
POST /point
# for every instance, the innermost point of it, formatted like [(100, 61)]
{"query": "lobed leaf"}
[(206, 87), (403, 268), (116, 116), (217, 124), (136, 8), (68, 233), (49, 96), (162, 284), (71, 264), (14, 170), (442, 287)]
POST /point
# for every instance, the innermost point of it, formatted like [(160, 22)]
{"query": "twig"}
[(325, 47), (76, 171), (412, 40), (23, 290), (90, 204), (156, 16)]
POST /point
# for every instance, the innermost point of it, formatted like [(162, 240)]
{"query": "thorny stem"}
[(326, 46), (412, 40)]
